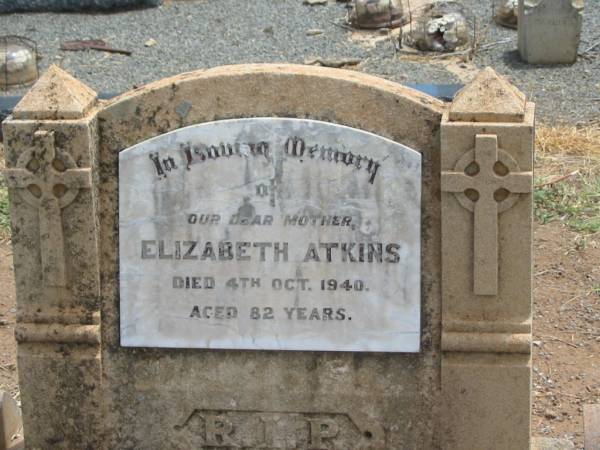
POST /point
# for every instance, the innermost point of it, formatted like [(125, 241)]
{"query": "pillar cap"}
[(57, 95), (488, 98)]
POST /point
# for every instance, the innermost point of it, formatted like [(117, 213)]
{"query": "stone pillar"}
[(487, 139), (51, 153)]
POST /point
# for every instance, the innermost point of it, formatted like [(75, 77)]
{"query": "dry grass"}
[(568, 176), (569, 139), (563, 149)]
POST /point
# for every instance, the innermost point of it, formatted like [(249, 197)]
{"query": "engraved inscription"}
[(487, 182), (279, 234), (294, 146), (277, 430), (49, 181)]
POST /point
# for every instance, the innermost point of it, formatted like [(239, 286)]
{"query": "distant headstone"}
[(549, 31), (591, 425), (10, 420), (273, 257)]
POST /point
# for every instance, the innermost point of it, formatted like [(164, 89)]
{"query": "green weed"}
[(574, 202), (4, 213)]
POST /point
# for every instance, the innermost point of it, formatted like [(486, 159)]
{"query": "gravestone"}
[(549, 30), (338, 262), (10, 421)]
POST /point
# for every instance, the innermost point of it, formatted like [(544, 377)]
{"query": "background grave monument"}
[(155, 309), (549, 30), (10, 422)]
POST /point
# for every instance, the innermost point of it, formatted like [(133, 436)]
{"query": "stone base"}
[(486, 398)]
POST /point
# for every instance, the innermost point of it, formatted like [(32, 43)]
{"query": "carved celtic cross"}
[(487, 182), (49, 182)]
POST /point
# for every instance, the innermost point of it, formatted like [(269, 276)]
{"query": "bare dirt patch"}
[(566, 321), (8, 351), (566, 327)]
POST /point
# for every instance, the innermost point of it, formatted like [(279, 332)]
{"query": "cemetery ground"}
[(566, 353)]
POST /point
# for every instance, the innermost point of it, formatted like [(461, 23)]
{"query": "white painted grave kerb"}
[(268, 233)]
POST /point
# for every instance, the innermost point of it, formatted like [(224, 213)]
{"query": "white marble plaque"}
[(268, 233)]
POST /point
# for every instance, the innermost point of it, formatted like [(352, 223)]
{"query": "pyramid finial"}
[(488, 98), (55, 96)]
